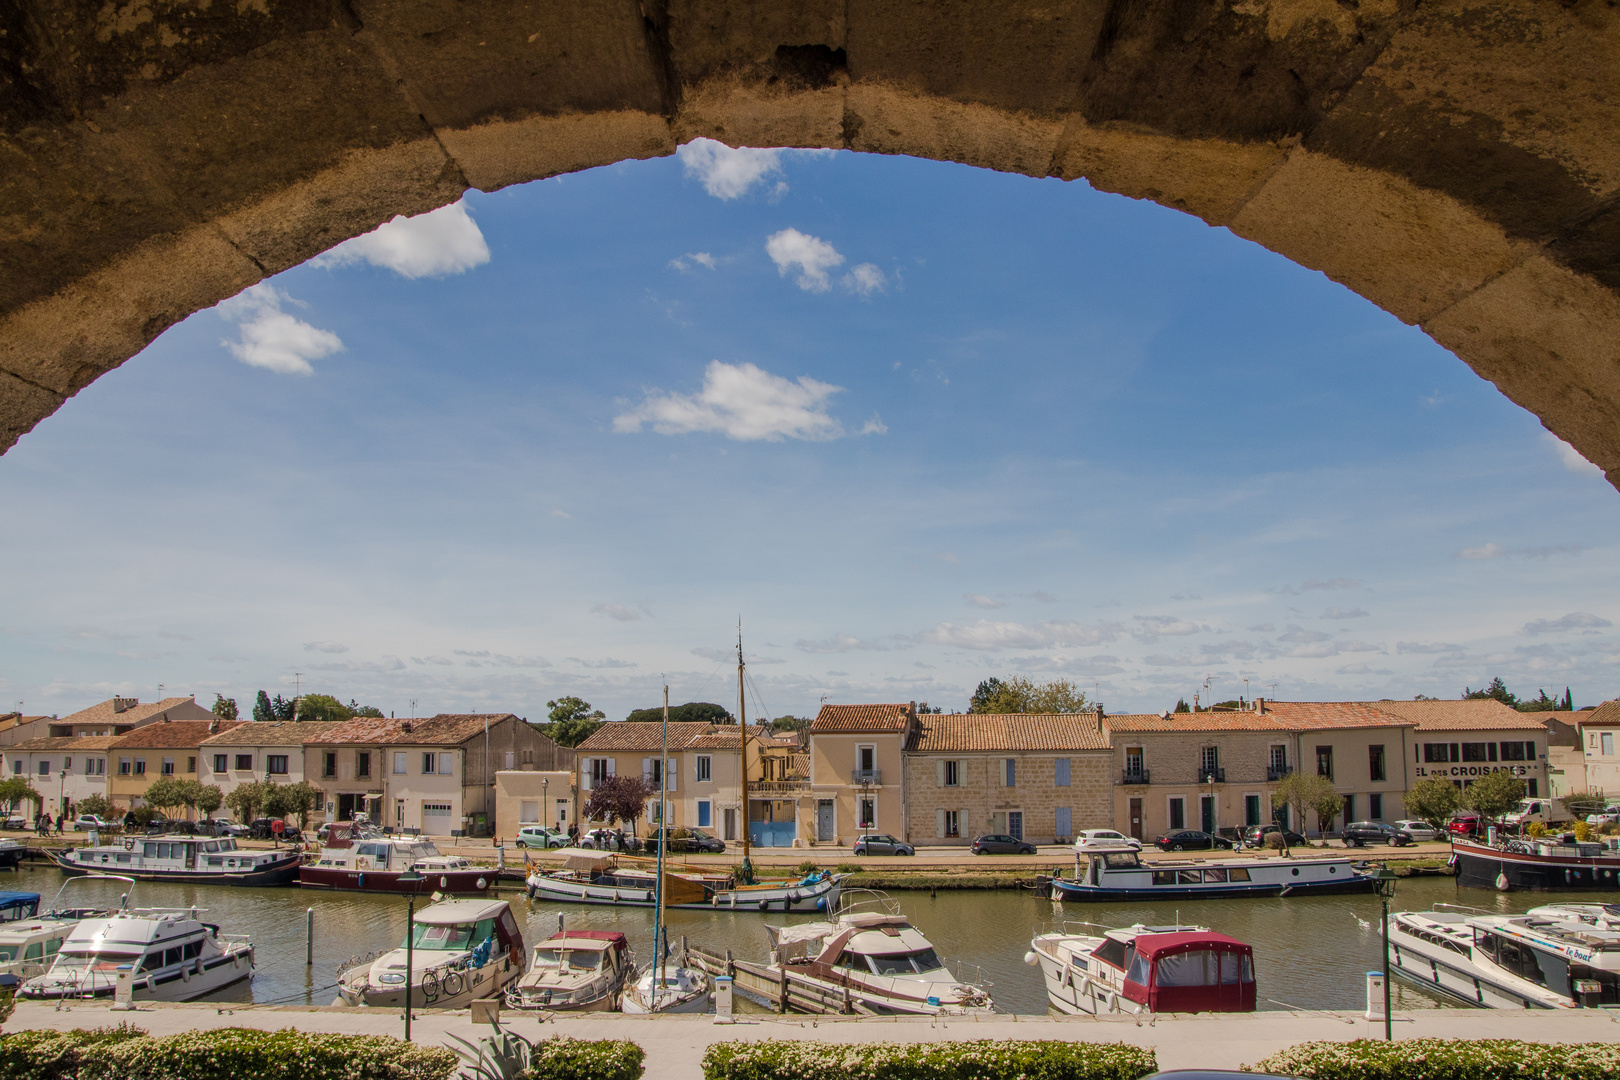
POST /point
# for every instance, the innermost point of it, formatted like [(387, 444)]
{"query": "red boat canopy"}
[(1191, 971), (617, 939)]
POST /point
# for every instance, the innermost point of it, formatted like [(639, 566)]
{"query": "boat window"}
[(8, 953), (212, 845), (584, 959), (547, 958), (1197, 968), (96, 961), (1111, 952), (1164, 877), (34, 951), (173, 956), (847, 959), (123, 856), (1238, 873), (193, 949), (1235, 968), (457, 938), (216, 860), (913, 963), (227, 845), (1122, 861), (1188, 877), (152, 962), (1214, 875), (1139, 970), (149, 851)]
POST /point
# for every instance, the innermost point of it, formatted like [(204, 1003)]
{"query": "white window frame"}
[(429, 763), (703, 771), (402, 762), (862, 801), (859, 747)]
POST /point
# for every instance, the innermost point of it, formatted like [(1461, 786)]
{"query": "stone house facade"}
[(1600, 749), (165, 748), (1040, 778), (857, 770)]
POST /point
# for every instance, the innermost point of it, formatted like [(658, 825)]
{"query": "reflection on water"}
[(1311, 952)]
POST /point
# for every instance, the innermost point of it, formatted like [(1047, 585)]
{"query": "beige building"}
[(435, 776), (163, 748), (64, 771), (16, 728), (857, 770), (632, 748), (1600, 748), (119, 715), (1365, 751), (533, 798), (1040, 778), (1462, 740), (272, 751)]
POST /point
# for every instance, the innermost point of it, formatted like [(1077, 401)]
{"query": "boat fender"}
[(362, 882), (1031, 959), (649, 896), (1501, 883), (793, 898), (482, 884), (185, 974), (444, 883), (821, 903), (532, 892), (764, 905)]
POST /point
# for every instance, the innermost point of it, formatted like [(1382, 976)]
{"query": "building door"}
[(731, 823), (1206, 812), (562, 814), (399, 813), (825, 825), (347, 804), (1251, 809), (1136, 818), (1015, 824), (1061, 827)]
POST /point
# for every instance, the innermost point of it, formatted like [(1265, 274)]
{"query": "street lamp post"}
[(545, 797), (1386, 889), (411, 878), (61, 791)]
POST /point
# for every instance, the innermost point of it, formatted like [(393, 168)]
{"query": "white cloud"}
[(980, 600), (95, 633), (1299, 634), (443, 241), (325, 647), (987, 635), (1345, 613), (1571, 457), (387, 663), (840, 643), (864, 279), (1578, 620), (1263, 628), (272, 339), (617, 611), (813, 257), (1425, 647), (1358, 646), (606, 662), (481, 657), (1166, 626), (701, 258), (1314, 585), (1363, 669), (1484, 551), (439, 660), (745, 403), (728, 172)]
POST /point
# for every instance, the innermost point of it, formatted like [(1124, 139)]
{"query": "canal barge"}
[(1121, 875), (460, 951), (1546, 863), (183, 860), (167, 953), (1144, 969), (597, 877), (357, 859), (1506, 961)]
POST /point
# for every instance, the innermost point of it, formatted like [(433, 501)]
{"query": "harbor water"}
[(1310, 952)]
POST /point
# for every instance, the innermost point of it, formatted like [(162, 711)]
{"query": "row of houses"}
[(940, 778), (434, 774)]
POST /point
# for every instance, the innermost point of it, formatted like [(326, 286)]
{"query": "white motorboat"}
[(459, 951), (575, 970), (1602, 916), (167, 953), (600, 877), (869, 958), (1144, 969), (667, 988), (1507, 961)]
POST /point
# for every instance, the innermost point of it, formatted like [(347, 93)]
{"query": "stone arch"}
[(1455, 164)]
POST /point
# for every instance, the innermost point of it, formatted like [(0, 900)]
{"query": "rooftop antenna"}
[(1245, 690), (298, 684), (160, 691), (1273, 691)]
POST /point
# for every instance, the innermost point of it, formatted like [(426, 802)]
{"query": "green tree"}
[(245, 800), (207, 799), (1590, 801), (617, 798), (165, 794), (322, 707), (225, 707), (97, 804), (1497, 690), (1540, 703), (297, 800), (1182, 706), (700, 712), (1023, 695), (1302, 792), (364, 710), (275, 801), (17, 789), (986, 692), (1434, 799), (572, 720), (1493, 794), (1569, 701), (797, 723), (266, 710)]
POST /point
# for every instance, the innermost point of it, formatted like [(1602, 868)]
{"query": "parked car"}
[(1100, 839), (1001, 844), (1609, 815), (181, 827), (538, 836), (1420, 831), (1465, 823), (264, 829), (609, 840), (15, 821), (1255, 835), (86, 822), (226, 827), (705, 842), (157, 819), (882, 844), (1362, 833), (1189, 840)]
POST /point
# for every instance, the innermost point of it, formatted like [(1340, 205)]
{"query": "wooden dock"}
[(778, 988)]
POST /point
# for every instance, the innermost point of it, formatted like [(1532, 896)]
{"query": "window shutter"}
[(610, 764), (939, 824), (585, 774), (670, 775), (646, 768), (939, 781)]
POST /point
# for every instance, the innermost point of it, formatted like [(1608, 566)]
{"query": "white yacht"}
[(358, 858), (1507, 961), (168, 953), (1144, 969), (667, 988), (870, 959), (1602, 916), (575, 970), (460, 951)]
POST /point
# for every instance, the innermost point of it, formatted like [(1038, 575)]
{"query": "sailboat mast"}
[(742, 720), (663, 842)]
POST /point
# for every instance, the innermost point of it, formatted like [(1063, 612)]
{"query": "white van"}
[(1545, 811)]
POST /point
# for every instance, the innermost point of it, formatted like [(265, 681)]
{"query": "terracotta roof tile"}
[(271, 733), (1315, 715), (722, 737), (445, 729), (643, 735), (860, 719), (1198, 721), (69, 743), (102, 712), (180, 735), (1606, 713), (1479, 714), (969, 732)]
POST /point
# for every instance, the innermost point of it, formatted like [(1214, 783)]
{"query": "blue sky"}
[(916, 424)]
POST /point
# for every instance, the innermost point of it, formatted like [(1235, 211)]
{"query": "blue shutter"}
[(1060, 777), (1062, 824)]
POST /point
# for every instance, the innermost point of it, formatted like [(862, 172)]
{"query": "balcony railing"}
[(1277, 772), (1212, 776), (1137, 776), (866, 776), (761, 788)]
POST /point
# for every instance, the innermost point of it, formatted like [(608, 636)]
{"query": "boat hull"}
[(1444, 974), (11, 854), (168, 985), (1484, 867), (1072, 993), (696, 1002), (283, 872), (387, 881), (457, 991), (823, 896), (1069, 890)]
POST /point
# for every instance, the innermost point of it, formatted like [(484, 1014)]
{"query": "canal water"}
[(1310, 952)]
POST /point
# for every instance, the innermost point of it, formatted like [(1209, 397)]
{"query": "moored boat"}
[(1506, 961), (599, 877), (358, 859), (1120, 874), (184, 860), (1551, 862), (667, 988), (167, 953), (460, 951), (576, 971), (1145, 969)]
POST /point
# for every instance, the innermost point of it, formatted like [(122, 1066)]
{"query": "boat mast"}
[(663, 842), (745, 872)]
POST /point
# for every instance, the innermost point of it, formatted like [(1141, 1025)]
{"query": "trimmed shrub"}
[(1444, 1059), (125, 1053), (980, 1059), (562, 1058)]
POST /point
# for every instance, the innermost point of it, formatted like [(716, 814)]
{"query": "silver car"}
[(1417, 830)]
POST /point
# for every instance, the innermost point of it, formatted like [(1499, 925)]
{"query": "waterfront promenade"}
[(675, 1044)]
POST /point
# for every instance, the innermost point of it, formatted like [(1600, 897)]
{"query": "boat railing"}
[(969, 975), (866, 901), (1068, 926), (1470, 909)]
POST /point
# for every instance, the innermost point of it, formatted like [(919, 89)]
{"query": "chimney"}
[(1260, 705), (213, 726), (405, 726), (123, 704), (1099, 715)]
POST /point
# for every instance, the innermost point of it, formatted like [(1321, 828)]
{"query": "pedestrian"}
[(59, 819), (573, 834)]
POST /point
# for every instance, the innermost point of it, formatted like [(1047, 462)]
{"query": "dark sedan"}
[(1362, 833), (1189, 840), (1002, 845), (1255, 835)]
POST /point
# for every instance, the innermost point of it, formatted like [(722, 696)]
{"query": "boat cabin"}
[(1171, 970), (27, 948), (18, 905), (373, 853), (193, 854)]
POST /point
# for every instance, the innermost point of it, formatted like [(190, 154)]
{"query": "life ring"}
[(129, 844)]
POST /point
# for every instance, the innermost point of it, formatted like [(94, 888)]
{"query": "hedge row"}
[(1445, 1059), (562, 1058), (981, 1059), (126, 1053)]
